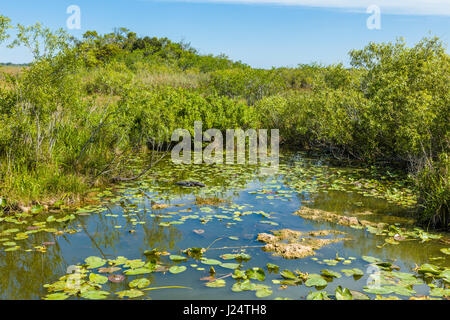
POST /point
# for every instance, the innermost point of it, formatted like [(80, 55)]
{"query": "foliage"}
[(70, 119)]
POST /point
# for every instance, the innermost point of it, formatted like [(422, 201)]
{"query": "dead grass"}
[(291, 244), (214, 201)]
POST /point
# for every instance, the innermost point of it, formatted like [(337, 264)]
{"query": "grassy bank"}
[(77, 115)]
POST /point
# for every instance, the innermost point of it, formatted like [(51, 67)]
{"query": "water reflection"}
[(126, 225)]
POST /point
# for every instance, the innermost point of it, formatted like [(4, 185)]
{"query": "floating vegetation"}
[(225, 238), (321, 215), (292, 244)]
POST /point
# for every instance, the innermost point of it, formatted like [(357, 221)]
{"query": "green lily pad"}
[(287, 274), (445, 250), (230, 265), (353, 272), (377, 290), (132, 272), (56, 296), (94, 262), (273, 268), (132, 293), (37, 209), (331, 274), (343, 294), (139, 283), (400, 290), (211, 261), (99, 279), (95, 294), (256, 273), (317, 295), (429, 268), (175, 257), (371, 259), (440, 292), (263, 292), (177, 269), (315, 280), (216, 283)]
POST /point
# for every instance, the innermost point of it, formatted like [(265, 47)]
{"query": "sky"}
[(261, 33)]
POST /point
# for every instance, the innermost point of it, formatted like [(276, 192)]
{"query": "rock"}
[(190, 184)]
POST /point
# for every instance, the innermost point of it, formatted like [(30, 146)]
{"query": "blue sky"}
[(262, 33)]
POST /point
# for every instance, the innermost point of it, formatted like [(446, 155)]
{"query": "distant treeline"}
[(85, 107)]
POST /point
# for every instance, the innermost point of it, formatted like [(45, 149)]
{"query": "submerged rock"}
[(291, 244), (190, 184)]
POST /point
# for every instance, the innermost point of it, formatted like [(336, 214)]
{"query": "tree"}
[(4, 26), (41, 41)]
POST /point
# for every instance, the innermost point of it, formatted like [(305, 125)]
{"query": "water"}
[(121, 222)]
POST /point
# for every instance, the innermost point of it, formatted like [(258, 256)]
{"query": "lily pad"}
[(315, 280), (230, 265), (343, 294), (139, 283), (211, 261), (94, 262), (56, 296), (318, 295), (287, 274), (256, 273), (377, 290), (216, 283), (263, 292), (96, 278), (177, 269), (95, 294), (331, 274), (132, 293)]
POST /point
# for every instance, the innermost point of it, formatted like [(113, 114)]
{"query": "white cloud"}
[(411, 7)]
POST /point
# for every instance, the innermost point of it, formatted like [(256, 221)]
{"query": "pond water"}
[(132, 219)]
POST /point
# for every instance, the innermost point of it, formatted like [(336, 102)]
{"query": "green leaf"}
[(132, 293), (445, 250), (230, 265), (371, 259), (95, 294), (99, 279), (317, 295), (177, 269), (94, 262), (256, 273), (331, 274), (175, 257), (440, 292), (429, 268), (287, 274), (37, 209), (56, 296), (139, 283), (359, 295), (132, 272), (216, 283), (315, 280), (400, 290), (263, 292), (343, 294), (377, 290), (273, 268), (211, 261)]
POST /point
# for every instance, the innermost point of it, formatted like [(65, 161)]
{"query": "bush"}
[(433, 187)]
